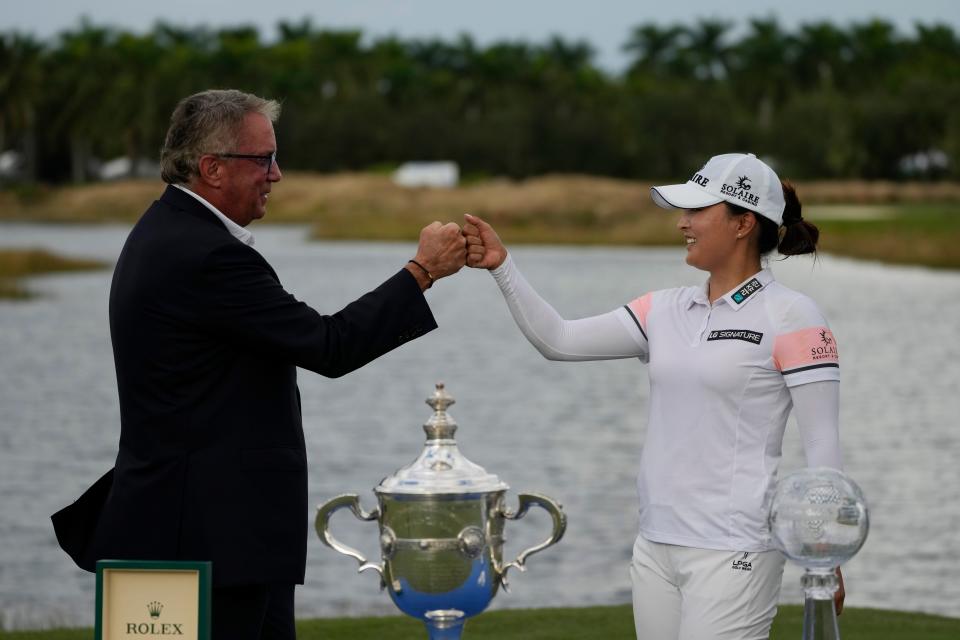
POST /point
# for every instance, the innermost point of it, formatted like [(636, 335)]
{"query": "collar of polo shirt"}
[(740, 295)]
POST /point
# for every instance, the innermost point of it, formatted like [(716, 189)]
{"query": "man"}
[(212, 463)]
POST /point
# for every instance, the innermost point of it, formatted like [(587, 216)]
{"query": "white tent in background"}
[(119, 168), (427, 174), (11, 164), (924, 163)]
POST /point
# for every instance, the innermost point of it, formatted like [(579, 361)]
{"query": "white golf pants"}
[(683, 593)]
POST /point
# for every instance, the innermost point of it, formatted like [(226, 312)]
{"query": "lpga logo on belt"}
[(743, 564)]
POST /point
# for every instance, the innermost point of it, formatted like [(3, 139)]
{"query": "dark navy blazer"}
[(212, 464)]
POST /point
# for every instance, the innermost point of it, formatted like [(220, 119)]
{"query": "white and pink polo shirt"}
[(723, 379), (720, 376)]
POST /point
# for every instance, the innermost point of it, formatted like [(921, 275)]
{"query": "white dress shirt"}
[(235, 230)]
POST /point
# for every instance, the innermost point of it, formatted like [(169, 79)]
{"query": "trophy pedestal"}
[(445, 624), (820, 620), (819, 614)]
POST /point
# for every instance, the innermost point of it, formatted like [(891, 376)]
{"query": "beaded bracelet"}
[(424, 269)]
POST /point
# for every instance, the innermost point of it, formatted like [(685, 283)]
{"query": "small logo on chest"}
[(736, 334)]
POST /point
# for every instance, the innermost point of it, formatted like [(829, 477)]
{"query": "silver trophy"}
[(441, 524), (819, 519)]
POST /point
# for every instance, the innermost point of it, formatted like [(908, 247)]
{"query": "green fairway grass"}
[(599, 623), (918, 234)]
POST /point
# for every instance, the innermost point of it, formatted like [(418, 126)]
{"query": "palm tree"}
[(761, 64), (875, 49), (935, 52), (136, 96), (707, 49), (822, 52), (80, 77), (21, 80), (655, 50)]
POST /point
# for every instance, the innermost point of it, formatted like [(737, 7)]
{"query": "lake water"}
[(570, 430)]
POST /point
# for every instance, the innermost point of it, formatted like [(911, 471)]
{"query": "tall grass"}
[(17, 263), (912, 223), (305, 197)]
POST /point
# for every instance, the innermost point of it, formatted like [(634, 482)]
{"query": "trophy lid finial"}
[(441, 425), (441, 399)]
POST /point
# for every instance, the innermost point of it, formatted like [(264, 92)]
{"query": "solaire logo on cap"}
[(700, 180), (741, 191)]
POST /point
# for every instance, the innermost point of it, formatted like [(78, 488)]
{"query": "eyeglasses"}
[(264, 161)]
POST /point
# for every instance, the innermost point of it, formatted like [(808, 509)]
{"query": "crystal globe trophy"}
[(819, 520)]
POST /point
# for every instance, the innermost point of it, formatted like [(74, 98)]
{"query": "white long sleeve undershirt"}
[(602, 337), (607, 336)]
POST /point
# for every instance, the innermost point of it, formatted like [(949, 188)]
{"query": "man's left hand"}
[(442, 250)]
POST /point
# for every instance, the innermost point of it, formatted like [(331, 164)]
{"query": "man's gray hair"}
[(207, 122)]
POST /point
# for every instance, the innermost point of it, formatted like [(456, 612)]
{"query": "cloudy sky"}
[(605, 24)]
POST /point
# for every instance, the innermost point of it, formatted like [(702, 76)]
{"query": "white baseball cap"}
[(738, 178)]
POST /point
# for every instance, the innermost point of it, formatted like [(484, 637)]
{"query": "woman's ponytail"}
[(799, 236)]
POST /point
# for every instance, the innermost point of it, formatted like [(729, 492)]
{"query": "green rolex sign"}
[(152, 599)]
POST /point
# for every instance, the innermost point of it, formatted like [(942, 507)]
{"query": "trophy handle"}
[(327, 509), (527, 500)]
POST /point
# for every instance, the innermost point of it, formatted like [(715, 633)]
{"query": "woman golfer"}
[(728, 360)]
